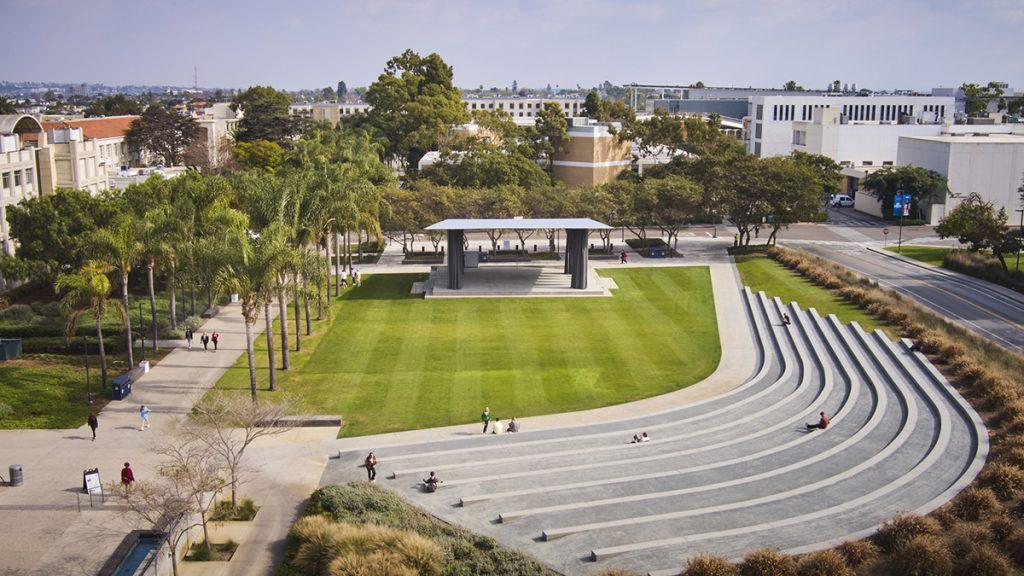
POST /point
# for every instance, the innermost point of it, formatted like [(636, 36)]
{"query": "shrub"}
[(858, 552), (1014, 546), (616, 572), (767, 562), (47, 309), (924, 556), (975, 504), (966, 537), (6, 410), (902, 529), (485, 543), (1001, 527), (17, 314), (709, 565), (374, 564), (982, 561), (1005, 480), (824, 563)]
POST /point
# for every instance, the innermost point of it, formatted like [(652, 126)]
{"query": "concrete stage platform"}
[(513, 281)]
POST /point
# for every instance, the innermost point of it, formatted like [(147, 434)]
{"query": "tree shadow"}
[(385, 287)]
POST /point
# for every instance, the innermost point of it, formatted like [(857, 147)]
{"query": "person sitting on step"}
[(431, 483), (513, 426), (644, 437), (786, 320), (821, 425)]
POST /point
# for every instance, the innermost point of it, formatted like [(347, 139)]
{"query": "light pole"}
[(142, 333), (88, 382), (1020, 232)]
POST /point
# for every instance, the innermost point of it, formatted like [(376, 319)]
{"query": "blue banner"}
[(901, 204)]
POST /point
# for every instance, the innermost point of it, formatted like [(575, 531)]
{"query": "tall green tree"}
[(977, 98), (677, 201), (415, 105), (922, 184), (980, 226), (551, 133), (162, 132), (792, 190), (118, 245), (266, 115), (87, 292), (592, 105)]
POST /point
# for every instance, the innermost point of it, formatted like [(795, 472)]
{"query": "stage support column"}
[(567, 264), (580, 257), (456, 261)]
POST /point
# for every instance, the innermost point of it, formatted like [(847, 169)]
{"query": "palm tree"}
[(88, 292), (253, 276), (118, 246)]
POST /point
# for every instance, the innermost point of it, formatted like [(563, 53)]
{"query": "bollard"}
[(17, 475)]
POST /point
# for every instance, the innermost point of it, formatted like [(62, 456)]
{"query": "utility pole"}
[(88, 382), (1020, 232), (142, 332)]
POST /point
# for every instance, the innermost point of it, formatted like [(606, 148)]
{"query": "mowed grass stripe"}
[(388, 362)]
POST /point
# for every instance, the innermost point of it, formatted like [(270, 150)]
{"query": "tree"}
[(7, 107), (259, 154), (327, 94), (699, 84), (792, 86), (342, 90), (977, 98), (826, 170), (252, 275), (592, 105), (551, 133), (922, 185), (228, 424), (192, 466), (87, 292), (497, 202), (116, 105), (415, 105), (980, 226), (792, 191), (266, 115), (163, 133), (53, 231), (836, 86), (635, 206), (118, 245), (676, 202)]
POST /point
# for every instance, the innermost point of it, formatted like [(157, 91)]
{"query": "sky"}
[(878, 44)]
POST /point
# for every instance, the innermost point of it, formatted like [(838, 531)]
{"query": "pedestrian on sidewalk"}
[(371, 467), (757, 230), (188, 337), (144, 415), (127, 476), (623, 258), (206, 341), (94, 423), (486, 417), (214, 339)]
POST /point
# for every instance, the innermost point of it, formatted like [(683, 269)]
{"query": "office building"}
[(772, 117), (19, 178), (217, 124), (522, 110)]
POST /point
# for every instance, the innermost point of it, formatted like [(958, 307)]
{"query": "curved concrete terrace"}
[(730, 467)]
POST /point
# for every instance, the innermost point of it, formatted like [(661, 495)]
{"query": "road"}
[(977, 305)]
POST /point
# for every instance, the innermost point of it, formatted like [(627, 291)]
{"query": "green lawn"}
[(928, 254), (762, 273), (390, 362), (47, 391)]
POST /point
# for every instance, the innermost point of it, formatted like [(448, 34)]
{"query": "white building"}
[(854, 144), (18, 176), (217, 123), (522, 110), (772, 118), (991, 165)]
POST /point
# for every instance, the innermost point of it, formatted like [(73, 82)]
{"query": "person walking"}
[(486, 417), (371, 467), (623, 258), (127, 476), (214, 339), (757, 231), (188, 337), (94, 423), (357, 277), (206, 341), (144, 415)]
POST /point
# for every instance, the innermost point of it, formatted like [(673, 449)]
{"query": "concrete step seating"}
[(724, 475)]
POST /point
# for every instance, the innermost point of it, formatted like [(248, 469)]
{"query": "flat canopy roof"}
[(518, 224)]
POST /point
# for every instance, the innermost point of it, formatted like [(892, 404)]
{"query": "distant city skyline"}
[(877, 44)]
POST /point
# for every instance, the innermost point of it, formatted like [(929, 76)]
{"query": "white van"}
[(841, 201)]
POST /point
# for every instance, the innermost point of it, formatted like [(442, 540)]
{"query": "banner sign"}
[(901, 204)]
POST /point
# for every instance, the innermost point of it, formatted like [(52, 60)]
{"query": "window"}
[(757, 130), (867, 163), (17, 178), (757, 148), (29, 180), (760, 112), (6, 180), (886, 162)]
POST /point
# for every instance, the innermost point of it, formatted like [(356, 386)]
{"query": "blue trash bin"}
[(122, 387)]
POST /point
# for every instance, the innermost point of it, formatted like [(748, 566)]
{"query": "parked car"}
[(841, 201)]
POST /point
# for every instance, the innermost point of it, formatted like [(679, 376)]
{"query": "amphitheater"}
[(725, 474)]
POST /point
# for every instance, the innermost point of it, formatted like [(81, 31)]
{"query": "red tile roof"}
[(109, 127)]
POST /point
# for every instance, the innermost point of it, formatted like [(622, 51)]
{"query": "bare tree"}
[(227, 424), (193, 466)]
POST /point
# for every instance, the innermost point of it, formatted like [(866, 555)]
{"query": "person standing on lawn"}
[(94, 423), (486, 417)]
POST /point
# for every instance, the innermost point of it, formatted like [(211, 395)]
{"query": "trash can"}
[(121, 387), (17, 475), (10, 348), (659, 251)]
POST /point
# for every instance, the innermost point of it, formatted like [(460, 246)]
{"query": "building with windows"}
[(594, 154), (772, 118), (853, 144), (523, 110), (19, 178), (217, 124)]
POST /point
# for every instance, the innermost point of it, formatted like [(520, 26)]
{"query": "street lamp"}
[(88, 382), (142, 334), (1021, 234)]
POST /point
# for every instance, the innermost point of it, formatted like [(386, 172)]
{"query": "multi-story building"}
[(108, 132), (524, 110), (19, 178), (217, 124), (854, 144), (772, 117), (70, 160), (593, 155)]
